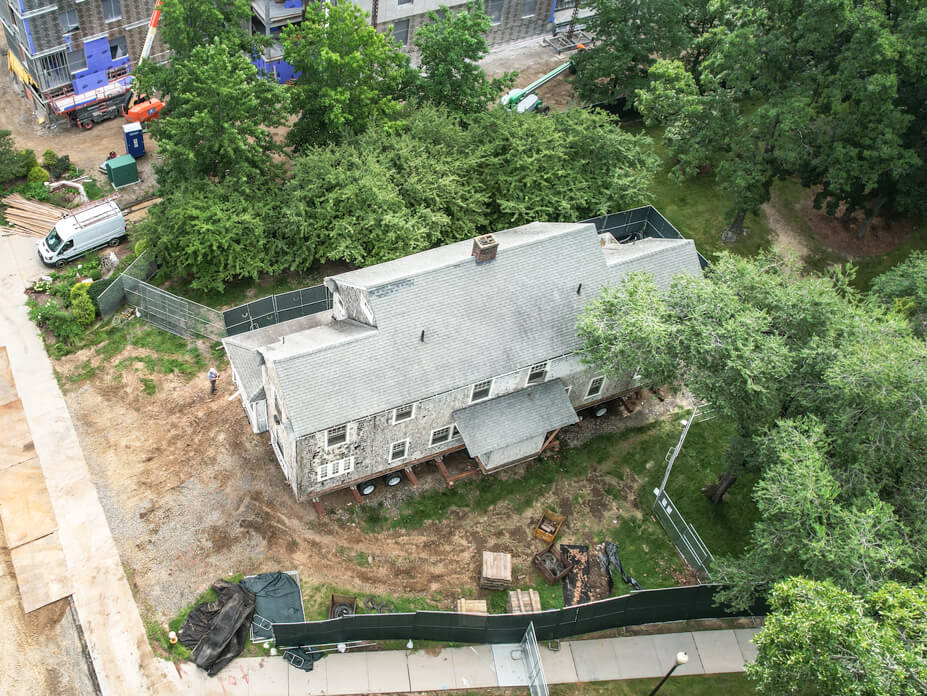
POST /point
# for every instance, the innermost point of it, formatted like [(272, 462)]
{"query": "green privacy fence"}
[(647, 606), (645, 221)]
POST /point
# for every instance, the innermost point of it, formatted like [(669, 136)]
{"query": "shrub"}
[(96, 289), (60, 167), (37, 174), (13, 164), (49, 157), (56, 319), (82, 307)]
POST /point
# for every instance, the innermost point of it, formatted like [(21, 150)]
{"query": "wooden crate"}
[(548, 574), (472, 606), (497, 571), (548, 527), (523, 602)]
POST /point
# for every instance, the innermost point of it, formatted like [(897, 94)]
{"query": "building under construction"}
[(512, 20), (73, 58)]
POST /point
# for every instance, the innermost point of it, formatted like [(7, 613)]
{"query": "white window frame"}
[(431, 440), (589, 394), (70, 25), (114, 4), (543, 368), (473, 399), (534, 9), (411, 415), (455, 433), (329, 444), (492, 17), (330, 470), (405, 450)]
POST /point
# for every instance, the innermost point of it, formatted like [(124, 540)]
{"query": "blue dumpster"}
[(135, 142)]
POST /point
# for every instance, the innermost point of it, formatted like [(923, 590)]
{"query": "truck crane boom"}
[(524, 99)]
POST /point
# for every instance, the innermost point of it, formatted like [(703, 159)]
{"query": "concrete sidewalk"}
[(475, 667), (113, 631)]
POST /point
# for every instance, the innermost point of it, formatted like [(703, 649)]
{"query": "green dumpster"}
[(122, 171)]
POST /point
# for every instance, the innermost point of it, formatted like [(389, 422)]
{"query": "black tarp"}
[(277, 600), (216, 632)]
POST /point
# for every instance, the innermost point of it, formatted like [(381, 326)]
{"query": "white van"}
[(84, 231)]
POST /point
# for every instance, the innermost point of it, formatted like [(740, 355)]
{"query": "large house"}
[(471, 345)]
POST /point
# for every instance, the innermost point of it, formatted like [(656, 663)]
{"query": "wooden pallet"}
[(472, 606), (523, 602), (497, 571)]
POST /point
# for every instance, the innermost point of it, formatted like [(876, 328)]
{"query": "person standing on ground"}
[(212, 376)]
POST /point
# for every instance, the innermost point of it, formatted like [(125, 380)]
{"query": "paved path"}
[(112, 628), (478, 666)]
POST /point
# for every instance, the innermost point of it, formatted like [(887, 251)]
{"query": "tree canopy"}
[(450, 48), (186, 24), (217, 122), (435, 178), (351, 75), (821, 639)]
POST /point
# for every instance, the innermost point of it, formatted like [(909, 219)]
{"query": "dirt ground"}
[(191, 495), (540, 59)]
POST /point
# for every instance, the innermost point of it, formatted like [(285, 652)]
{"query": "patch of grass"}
[(93, 190), (86, 370), (316, 599), (710, 685), (698, 208), (869, 268), (149, 386)]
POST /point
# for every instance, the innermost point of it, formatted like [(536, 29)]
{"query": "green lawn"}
[(713, 685), (698, 208)]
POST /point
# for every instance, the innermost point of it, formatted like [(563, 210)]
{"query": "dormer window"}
[(481, 390), (538, 373)]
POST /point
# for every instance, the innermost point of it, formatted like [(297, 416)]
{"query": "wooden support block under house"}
[(472, 606), (523, 602), (497, 571)]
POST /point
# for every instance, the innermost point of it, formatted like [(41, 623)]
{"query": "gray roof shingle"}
[(514, 417), (479, 321)]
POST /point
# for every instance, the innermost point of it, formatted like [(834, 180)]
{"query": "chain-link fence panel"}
[(683, 535)]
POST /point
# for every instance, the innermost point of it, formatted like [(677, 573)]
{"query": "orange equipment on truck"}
[(146, 109)]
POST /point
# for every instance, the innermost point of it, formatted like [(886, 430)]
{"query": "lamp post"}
[(681, 659)]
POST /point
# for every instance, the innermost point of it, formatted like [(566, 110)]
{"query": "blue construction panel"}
[(91, 81), (285, 71), (293, 3), (97, 53)]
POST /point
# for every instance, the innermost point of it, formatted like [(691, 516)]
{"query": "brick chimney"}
[(484, 248)]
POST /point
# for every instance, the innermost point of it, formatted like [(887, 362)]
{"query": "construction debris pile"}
[(31, 218)]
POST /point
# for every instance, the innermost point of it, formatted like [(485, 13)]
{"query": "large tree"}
[(450, 48), (186, 24), (214, 233), (351, 75), (218, 119), (821, 639), (434, 178), (904, 289)]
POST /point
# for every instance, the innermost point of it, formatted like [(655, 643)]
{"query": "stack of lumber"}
[(472, 606), (497, 571), (523, 602), (31, 218)]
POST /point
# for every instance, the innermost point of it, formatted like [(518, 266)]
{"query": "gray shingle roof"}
[(515, 417), (480, 321), (243, 352)]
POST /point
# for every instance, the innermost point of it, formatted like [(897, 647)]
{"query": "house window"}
[(336, 436), (401, 31), (494, 10), (528, 8), (112, 10), (405, 2), (118, 48), (595, 387), (538, 373), (336, 468), (398, 450), (403, 413), (67, 20), (440, 435), (77, 61), (481, 391)]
